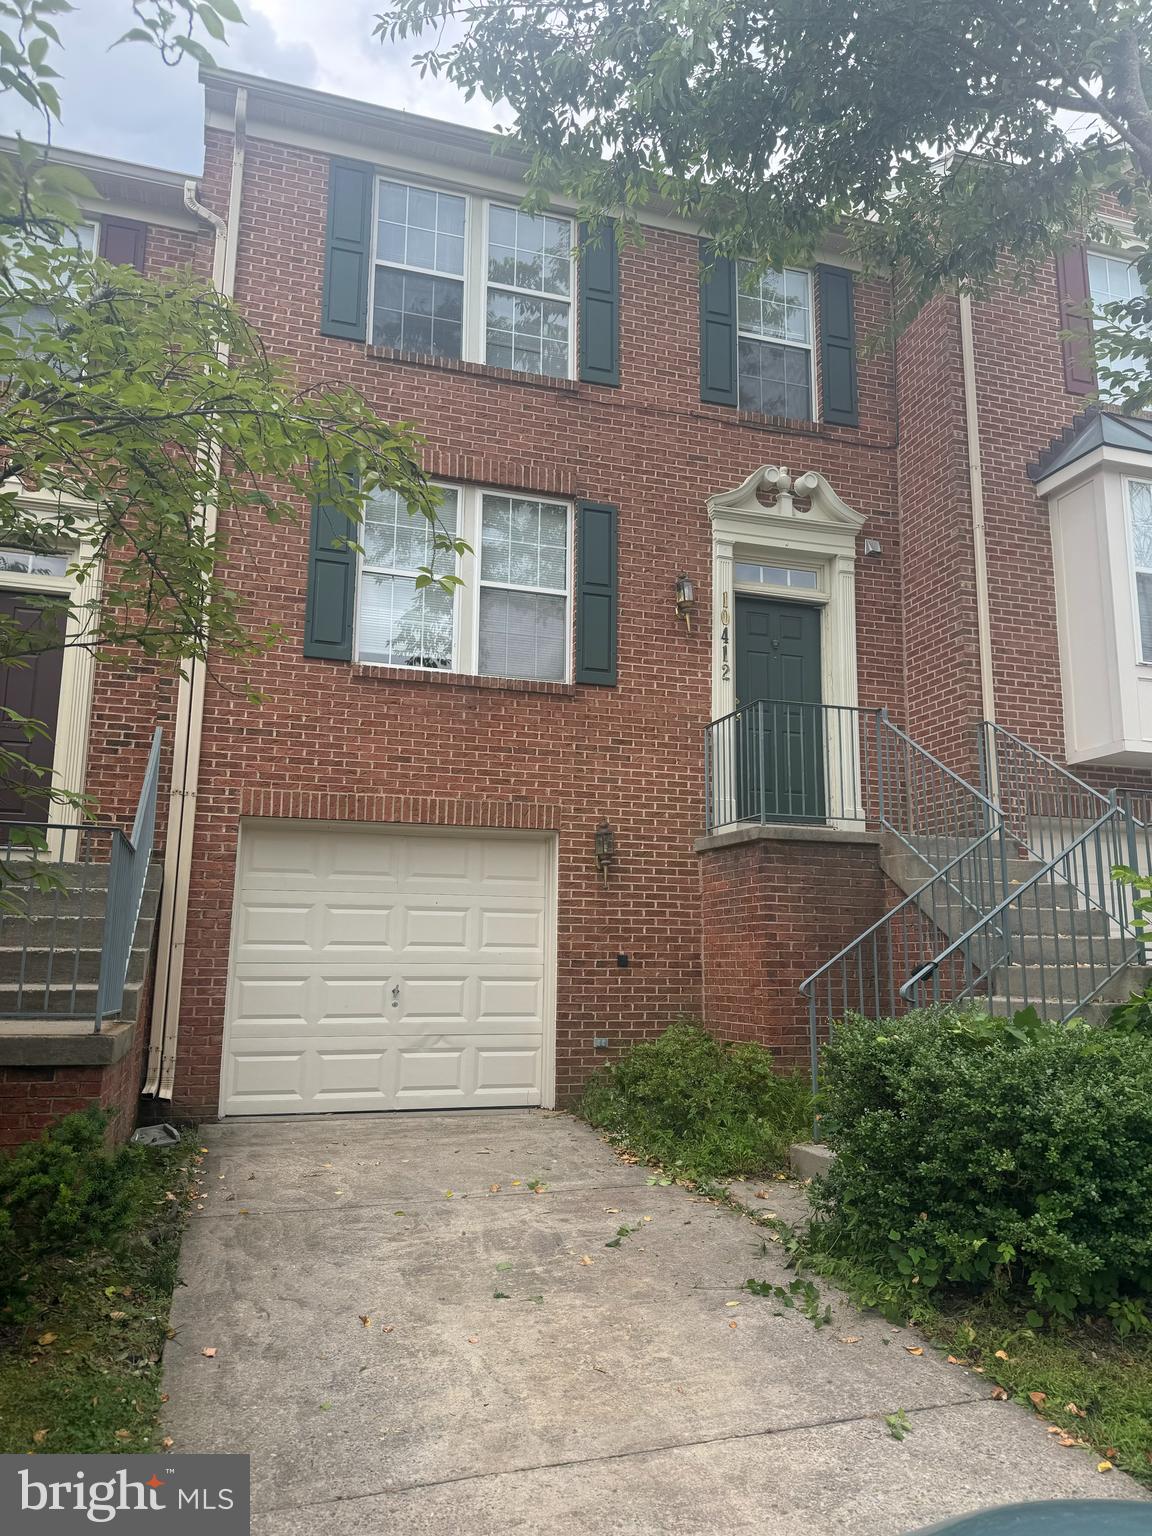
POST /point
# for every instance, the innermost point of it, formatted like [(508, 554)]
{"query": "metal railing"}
[(1045, 806), (780, 761), (1057, 939), (127, 873), (952, 840), (74, 893)]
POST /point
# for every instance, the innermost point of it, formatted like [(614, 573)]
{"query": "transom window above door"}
[(511, 614), (800, 576), (461, 277)]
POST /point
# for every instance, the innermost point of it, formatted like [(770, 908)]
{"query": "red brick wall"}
[(772, 913), (33, 1097)]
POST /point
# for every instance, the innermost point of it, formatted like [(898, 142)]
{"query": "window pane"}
[(419, 228), (397, 540), (774, 380), (417, 313), (26, 562), (528, 334), (531, 251), (1140, 499), (774, 304), (524, 542), (522, 634), (402, 626), (776, 575), (1144, 600)]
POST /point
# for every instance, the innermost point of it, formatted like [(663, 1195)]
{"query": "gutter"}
[(188, 733), (979, 538)]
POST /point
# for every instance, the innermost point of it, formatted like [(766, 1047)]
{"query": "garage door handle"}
[(396, 995)]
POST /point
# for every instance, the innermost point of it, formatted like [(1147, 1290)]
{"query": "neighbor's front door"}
[(780, 747), (31, 691)]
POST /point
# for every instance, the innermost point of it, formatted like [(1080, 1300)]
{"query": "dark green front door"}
[(780, 743)]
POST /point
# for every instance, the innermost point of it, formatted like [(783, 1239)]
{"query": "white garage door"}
[(379, 969)]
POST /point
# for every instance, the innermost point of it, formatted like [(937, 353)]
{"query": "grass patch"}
[(80, 1350), (698, 1107), (1096, 1386)]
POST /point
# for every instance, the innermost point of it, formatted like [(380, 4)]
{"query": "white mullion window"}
[(398, 623), (1140, 515), (1113, 280), (528, 292), (774, 341), (523, 600), (419, 271)]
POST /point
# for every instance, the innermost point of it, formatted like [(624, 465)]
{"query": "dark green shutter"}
[(838, 347), (719, 382), (596, 593), (599, 304), (329, 612), (349, 252)]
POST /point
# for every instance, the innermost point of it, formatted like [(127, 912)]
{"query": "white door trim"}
[(821, 534)]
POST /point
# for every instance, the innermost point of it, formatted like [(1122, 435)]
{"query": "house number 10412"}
[(725, 622)]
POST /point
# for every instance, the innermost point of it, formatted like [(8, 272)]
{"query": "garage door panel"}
[(377, 969)]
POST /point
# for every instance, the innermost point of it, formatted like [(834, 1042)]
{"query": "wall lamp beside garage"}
[(605, 848), (685, 599)]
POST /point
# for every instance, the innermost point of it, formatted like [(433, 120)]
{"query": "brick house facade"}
[(424, 837)]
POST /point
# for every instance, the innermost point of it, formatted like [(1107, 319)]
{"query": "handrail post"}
[(881, 719)]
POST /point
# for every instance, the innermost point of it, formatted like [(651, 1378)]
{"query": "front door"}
[(31, 691), (780, 745)]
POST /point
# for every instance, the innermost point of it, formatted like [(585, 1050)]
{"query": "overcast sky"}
[(126, 104)]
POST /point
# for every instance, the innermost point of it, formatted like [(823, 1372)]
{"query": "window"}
[(455, 277), (529, 292), (1113, 280), (401, 624), (511, 616), (523, 630), (774, 341), (418, 296), (38, 317), (777, 575), (1140, 504), (27, 562)]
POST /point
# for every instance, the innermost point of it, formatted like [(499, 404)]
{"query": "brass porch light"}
[(605, 848), (685, 599)]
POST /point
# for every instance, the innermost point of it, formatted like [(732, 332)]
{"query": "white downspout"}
[(189, 702), (979, 538)]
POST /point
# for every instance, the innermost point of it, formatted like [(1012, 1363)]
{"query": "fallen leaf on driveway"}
[(493, 1189), (733, 1324), (1036, 1398), (1103, 1466), (586, 1259), (167, 1443), (955, 1360), (474, 1340), (365, 1319), (999, 1395), (391, 1328), (209, 1353), (914, 1349), (731, 1303), (1069, 1440), (849, 1338)]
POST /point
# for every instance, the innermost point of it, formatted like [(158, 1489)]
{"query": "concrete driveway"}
[(518, 1375)]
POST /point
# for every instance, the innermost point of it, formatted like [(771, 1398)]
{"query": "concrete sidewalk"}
[(504, 1383)]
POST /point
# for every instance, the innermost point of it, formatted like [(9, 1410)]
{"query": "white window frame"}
[(1135, 570), (474, 343), (1123, 259), (438, 556), (776, 341), (466, 597)]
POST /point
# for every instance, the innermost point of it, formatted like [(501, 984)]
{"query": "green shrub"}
[(1010, 1154), (64, 1194), (694, 1105)]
